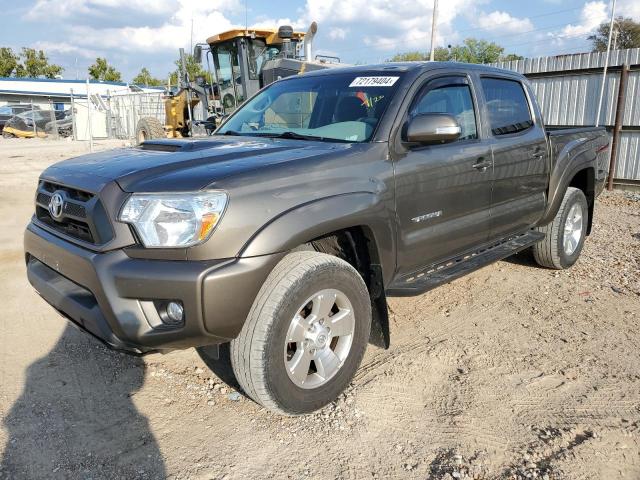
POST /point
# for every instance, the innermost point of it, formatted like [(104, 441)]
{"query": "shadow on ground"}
[(76, 417)]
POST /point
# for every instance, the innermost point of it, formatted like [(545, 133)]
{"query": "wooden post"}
[(622, 94)]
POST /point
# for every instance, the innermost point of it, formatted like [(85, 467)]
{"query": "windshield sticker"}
[(374, 81)]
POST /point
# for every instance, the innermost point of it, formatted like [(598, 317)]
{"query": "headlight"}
[(174, 220)]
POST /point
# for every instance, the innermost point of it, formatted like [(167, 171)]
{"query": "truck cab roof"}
[(418, 67)]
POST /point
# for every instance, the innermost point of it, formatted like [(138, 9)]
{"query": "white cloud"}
[(592, 15), (63, 48), (46, 9), (337, 33), (390, 24), (503, 22), (629, 8), (175, 32)]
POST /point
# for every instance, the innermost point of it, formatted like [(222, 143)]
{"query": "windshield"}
[(341, 108)]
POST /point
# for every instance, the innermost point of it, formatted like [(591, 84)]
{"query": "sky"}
[(133, 34)]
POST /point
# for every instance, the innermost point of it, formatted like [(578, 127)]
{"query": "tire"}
[(263, 360), (149, 128), (564, 238), (7, 134)]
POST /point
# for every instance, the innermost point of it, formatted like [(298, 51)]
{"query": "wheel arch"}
[(354, 227), (582, 178)]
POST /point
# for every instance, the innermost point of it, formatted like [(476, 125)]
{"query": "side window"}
[(507, 106), (455, 100)]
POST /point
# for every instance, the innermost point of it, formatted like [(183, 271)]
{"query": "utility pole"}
[(606, 63), (433, 30)]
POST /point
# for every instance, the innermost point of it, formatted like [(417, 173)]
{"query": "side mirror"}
[(197, 53), (432, 128)]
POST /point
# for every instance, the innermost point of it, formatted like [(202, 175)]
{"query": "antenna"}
[(246, 16)]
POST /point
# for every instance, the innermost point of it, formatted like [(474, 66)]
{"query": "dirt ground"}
[(511, 372)]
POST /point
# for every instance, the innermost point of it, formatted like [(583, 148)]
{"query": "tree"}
[(8, 62), (441, 54), (471, 51), (29, 63), (36, 64), (102, 71), (194, 69), (145, 78), (628, 35), (409, 57)]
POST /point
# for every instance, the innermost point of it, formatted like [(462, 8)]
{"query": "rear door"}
[(519, 147), (443, 192)]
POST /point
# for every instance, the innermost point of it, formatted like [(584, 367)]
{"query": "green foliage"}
[(471, 51), (409, 57), (145, 78), (628, 35), (29, 63), (8, 62), (35, 64), (194, 69), (101, 70)]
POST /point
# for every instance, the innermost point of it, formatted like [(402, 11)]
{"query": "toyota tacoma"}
[(279, 238)]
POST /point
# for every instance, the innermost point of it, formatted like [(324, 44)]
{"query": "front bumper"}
[(114, 297)]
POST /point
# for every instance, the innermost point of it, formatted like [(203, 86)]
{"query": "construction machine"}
[(240, 62)]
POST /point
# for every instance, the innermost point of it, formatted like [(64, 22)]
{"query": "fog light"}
[(175, 312)]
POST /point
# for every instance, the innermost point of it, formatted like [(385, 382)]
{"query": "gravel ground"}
[(513, 372)]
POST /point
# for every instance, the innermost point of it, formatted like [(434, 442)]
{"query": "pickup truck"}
[(279, 238)]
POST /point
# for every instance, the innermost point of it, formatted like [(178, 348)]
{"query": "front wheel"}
[(565, 236), (305, 335)]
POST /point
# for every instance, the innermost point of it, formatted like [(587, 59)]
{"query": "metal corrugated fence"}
[(568, 88)]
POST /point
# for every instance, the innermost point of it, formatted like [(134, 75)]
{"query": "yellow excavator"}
[(240, 62)]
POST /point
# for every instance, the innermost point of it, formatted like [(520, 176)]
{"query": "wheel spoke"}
[(322, 304), (341, 323), (299, 365), (296, 330), (327, 363)]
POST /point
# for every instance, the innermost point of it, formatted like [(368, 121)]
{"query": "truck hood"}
[(183, 165)]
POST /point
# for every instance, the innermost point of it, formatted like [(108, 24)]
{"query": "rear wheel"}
[(305, 335), (149, 128), (565, 236), (7, 134)]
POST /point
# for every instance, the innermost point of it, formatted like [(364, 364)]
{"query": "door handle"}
[(538, 153), (482, 164)]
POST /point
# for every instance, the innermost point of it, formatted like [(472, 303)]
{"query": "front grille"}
[(67, 226), (82, 218), (72, 193)]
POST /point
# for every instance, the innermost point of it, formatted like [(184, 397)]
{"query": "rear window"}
[(507, 106)]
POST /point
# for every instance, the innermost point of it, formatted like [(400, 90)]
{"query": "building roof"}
[(45, 87)]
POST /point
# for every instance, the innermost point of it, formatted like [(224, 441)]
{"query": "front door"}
[(443, 192)]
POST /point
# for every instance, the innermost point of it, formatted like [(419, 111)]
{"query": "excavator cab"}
[(239, 57)]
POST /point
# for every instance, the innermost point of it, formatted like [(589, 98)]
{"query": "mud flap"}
[(380, 333)]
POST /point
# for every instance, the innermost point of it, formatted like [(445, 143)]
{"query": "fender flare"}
[(565, 169), (315, 219)]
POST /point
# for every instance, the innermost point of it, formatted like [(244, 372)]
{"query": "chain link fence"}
[(113, 116)]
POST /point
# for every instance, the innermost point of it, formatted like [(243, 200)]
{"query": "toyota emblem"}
[(56, 205)]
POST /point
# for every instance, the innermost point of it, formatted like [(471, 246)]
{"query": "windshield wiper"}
[(299, 136), (232, 133)]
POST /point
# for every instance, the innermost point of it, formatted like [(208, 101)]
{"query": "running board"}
[(437, 275)]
